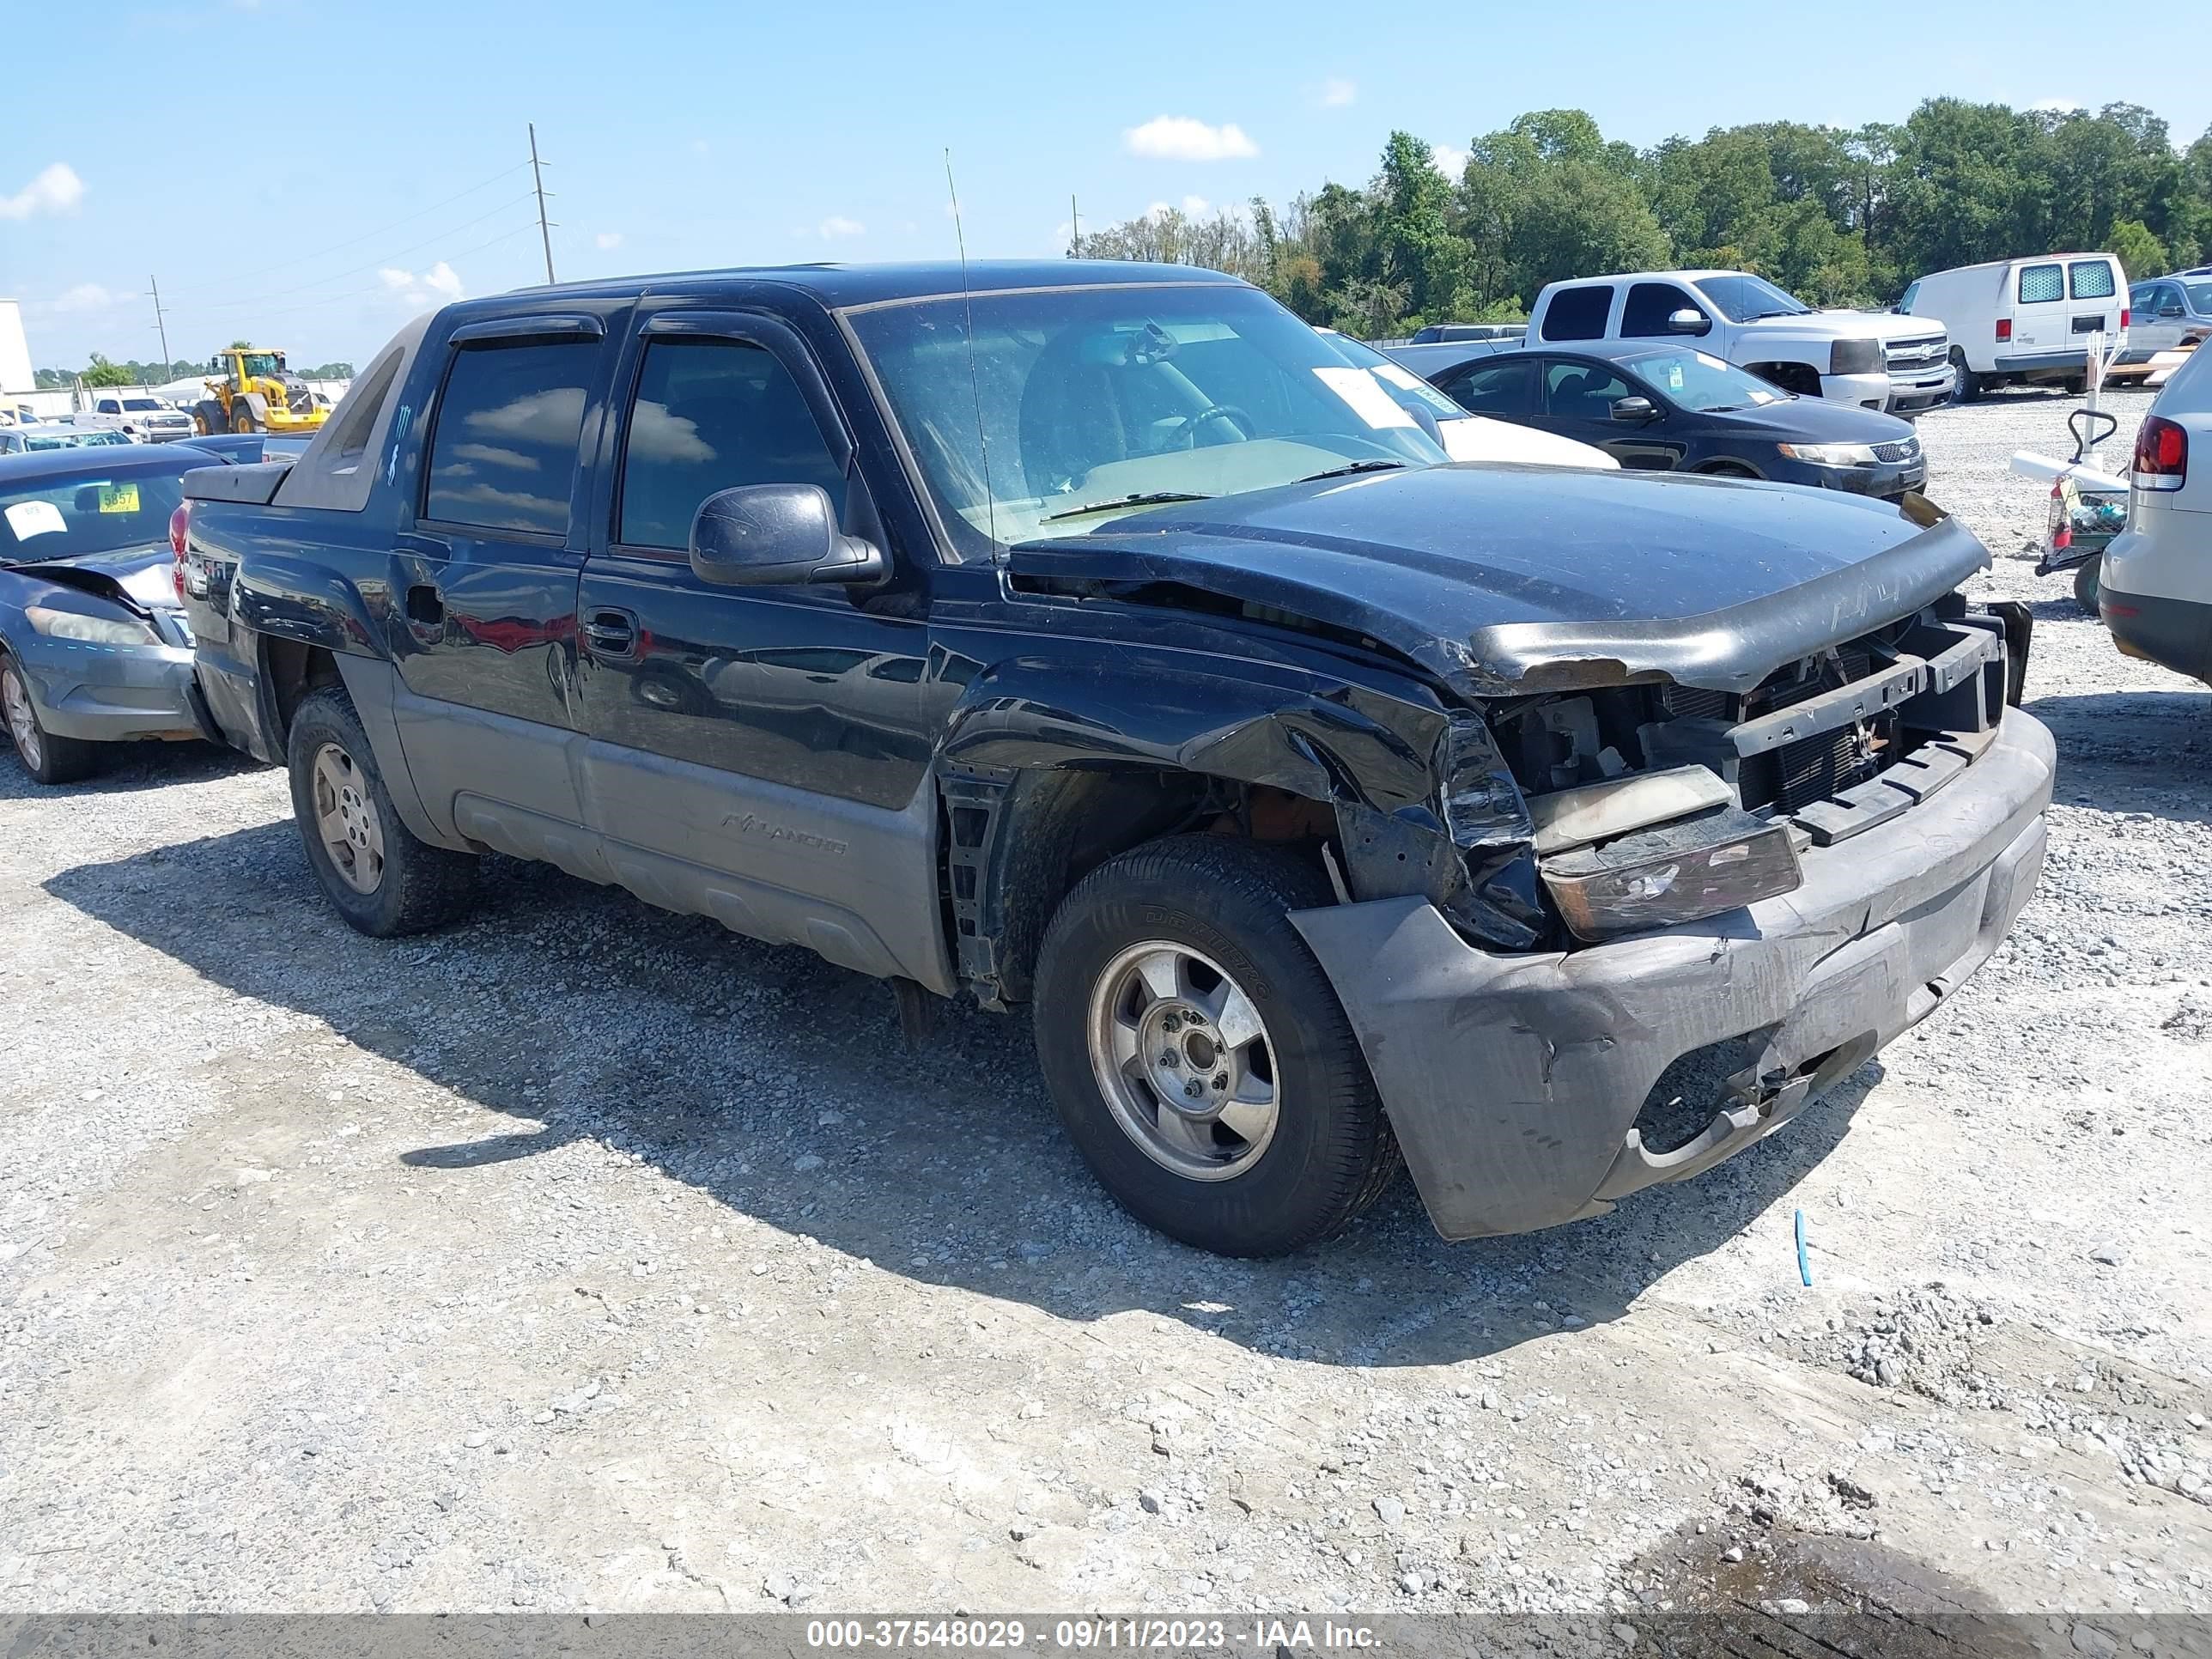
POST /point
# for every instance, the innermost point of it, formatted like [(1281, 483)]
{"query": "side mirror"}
[(1688, 321), (777, 534), (1635, 410), (2171, 310)]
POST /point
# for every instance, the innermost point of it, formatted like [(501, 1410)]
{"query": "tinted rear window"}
[(504, 453), (2093, 279), (2040, 284), (1578, 313)]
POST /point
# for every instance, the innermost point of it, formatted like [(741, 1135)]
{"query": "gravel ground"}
[(584, 1257)]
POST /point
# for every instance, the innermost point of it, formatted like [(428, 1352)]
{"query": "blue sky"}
[(685, 134)]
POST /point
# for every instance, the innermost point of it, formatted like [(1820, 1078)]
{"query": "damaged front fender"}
[(1424, 804)]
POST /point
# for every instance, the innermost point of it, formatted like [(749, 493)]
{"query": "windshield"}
[(1105, 400), (1695, 380), (261, 364), (91, 513), (1745, 298)]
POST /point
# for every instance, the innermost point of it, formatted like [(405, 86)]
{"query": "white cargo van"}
[(2012, 321)]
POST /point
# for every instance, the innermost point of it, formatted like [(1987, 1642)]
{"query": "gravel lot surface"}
[(584, 1257)]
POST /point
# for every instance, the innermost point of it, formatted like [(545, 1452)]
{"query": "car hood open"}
[(1515, 579)]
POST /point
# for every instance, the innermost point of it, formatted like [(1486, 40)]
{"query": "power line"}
[(323, 300), (353, 242), (339, 276)]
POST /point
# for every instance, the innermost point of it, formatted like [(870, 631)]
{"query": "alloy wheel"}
[(1183, 1059), (346, 818)]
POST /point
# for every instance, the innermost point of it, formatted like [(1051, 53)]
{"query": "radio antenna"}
[(975, 385)]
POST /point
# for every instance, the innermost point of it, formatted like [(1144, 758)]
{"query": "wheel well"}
[(1729, 469), (1801, 378), (291, 672), (1015, 843)]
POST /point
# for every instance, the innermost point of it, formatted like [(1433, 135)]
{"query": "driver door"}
[(1575, 398)]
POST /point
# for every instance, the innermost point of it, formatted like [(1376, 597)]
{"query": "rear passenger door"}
[(483, 604), (1500, 387), (756, 754), (2038, 309)]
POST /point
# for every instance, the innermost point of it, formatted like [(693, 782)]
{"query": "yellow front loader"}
[(251, 390)]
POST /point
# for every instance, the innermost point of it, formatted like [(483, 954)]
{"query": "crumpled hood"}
[(143, 572), (1506, 579)]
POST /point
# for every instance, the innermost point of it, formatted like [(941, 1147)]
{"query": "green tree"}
[(103, 373), (2141, 253)]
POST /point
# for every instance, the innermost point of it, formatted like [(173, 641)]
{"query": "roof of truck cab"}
[(837, 286)]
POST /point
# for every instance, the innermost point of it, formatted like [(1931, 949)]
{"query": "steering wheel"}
[(1186, 429)]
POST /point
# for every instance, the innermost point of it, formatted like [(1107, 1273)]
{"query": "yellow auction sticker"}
[(118, 498)]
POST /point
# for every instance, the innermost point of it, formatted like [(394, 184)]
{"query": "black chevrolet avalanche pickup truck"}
[(1102, 639)]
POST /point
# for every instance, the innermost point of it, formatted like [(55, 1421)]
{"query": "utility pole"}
[(160, 325), (1074, 230), (545, 232)]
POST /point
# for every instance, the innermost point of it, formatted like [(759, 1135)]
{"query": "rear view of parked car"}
[(93, 648), (1675, 409), (2156, 589), (2014, 322)]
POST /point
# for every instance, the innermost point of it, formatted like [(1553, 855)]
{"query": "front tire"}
[(241, 419), (48, 758), (377, 875), (1197, 1055)]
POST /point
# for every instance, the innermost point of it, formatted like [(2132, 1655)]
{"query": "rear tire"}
[(1965, 386), (2088, 579), (1310, 1147), (377, 875), (49, 759), (207, 419)]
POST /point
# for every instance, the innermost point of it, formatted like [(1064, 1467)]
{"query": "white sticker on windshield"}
[(1404, 377), (29, 518), (1364, 394)]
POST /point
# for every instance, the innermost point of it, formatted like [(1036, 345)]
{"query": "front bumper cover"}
[(112, 694), (1514, 1082)]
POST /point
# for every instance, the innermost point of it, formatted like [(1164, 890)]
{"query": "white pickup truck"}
[(1879, 361), (141, 418)]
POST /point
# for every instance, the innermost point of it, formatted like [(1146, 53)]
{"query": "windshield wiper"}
[(1155, 498), (1356, 466)]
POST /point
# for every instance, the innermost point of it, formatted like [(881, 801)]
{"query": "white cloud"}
[(1337, 93), (1182, 138), (85, 296), (838, 225), (56, 189), (1449, 160), (608, 239), (435, 287)]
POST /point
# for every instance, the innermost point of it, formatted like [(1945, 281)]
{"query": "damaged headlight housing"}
[(88, 630), (1684, 870)]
